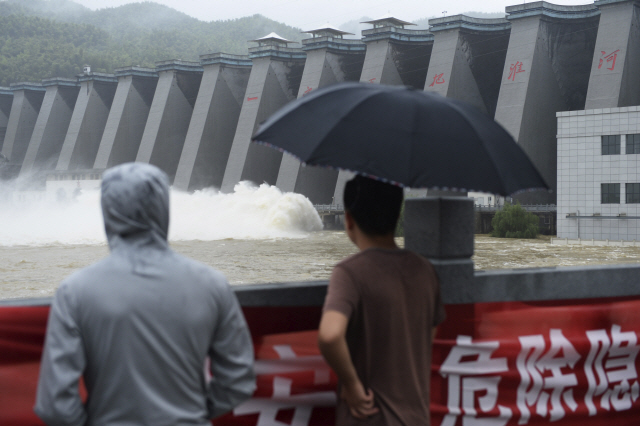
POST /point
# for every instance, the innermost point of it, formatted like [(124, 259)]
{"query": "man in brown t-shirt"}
[(379, 316)]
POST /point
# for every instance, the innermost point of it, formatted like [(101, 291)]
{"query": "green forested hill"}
[(54, 38)]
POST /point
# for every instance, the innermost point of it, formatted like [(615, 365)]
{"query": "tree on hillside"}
[(33, 47)]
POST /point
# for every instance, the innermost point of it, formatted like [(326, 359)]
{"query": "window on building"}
[(610, 144), (632, 191), (610, 193), (633, 144)]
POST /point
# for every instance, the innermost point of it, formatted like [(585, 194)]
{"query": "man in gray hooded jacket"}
[(139, 325)]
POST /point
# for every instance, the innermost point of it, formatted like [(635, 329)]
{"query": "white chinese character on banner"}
[(471, 372), (281, 399), (547, 393), (611, 369)]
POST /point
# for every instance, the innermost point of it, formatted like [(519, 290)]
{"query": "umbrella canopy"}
[(401, 135)]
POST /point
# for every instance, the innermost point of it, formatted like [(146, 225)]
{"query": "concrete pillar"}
[(614, 78), (127, 117), (51, 126), (27, 100), (395, 56), (88, 121), (329, 60), (441, 229), (214, 121), (274, 81), (170, 113), (467, 59), (546, 70), (6, 99)]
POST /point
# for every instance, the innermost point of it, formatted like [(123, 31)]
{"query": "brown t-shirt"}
[(392, 300)]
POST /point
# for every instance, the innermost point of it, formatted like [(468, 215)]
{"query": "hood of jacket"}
[(135, 206)]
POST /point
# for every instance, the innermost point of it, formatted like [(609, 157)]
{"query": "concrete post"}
[(51, 126), (441, 229), (395, 56), (329, 60), (88, 121), (467, 59), (170, 114), (6, 99), (214, 121), (127, 118), (27, 100), (614, 78), (538, 81), (274, 81)]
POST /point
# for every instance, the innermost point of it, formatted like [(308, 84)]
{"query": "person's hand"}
[(361, 404)]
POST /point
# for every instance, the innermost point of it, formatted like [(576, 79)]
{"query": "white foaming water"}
[(250, 212)]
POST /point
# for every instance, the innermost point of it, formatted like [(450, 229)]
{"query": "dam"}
[(536, 71)]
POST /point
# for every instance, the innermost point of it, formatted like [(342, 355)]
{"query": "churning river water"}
[(255, 235)]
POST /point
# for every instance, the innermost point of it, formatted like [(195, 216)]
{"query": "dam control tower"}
[(546, 70), (214, 121), (128, 116), (467, 59), (87, 121), (274, 80), (51, 126), (170, 114), (25, 107), (330, 59)]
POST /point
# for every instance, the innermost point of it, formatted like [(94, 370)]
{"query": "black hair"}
[(373, 204)]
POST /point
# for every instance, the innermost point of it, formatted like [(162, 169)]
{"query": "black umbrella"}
[(401, 135)]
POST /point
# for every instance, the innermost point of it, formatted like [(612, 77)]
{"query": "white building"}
[(598, 179)]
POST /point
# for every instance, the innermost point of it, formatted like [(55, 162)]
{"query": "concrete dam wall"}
[(195, 119)]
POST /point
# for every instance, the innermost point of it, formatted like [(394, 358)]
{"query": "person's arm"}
[(333, 346), (231, 354), (58, 399)]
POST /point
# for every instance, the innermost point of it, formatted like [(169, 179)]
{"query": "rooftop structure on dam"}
[(396, 55), (170, 114), (467, 59), (87, 121), (214, 121), (25, 107), (274, 80), (51, 126), (127, 117), (330, 59)]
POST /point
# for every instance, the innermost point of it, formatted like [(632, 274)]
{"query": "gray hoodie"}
[(139, 325)]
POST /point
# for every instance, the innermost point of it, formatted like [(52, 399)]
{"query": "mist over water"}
[(251, 212)]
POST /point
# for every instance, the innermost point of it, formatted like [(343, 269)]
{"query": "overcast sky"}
[(308, 14)]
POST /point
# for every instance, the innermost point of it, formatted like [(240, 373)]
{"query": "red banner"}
[(570, 363), (509, 363)]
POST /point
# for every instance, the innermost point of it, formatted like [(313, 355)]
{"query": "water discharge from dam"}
[(249, 212)]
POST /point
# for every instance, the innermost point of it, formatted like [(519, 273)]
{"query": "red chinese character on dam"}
[(611, 57), (437, 79), (308, 90), (515, 69)]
